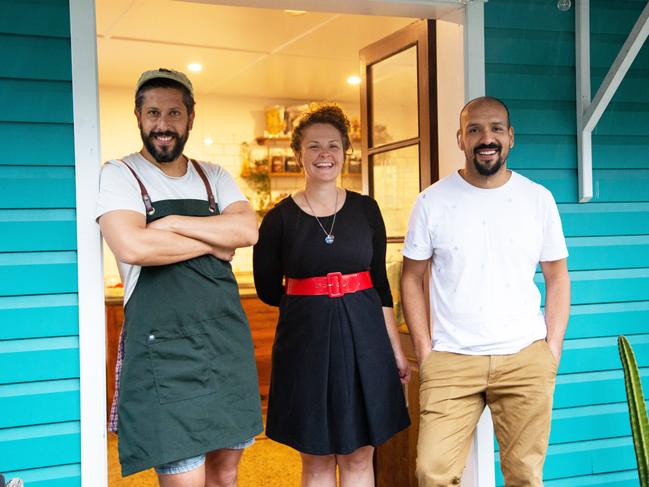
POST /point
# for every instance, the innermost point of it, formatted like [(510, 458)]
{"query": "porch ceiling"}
[(244, 51)]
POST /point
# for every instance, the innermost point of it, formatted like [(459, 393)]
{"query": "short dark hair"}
[(486, 98), (188, 99), (328, 113)]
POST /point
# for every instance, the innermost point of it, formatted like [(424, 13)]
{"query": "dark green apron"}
[(188, 381)]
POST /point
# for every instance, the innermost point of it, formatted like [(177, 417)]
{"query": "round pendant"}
[(329, 239)]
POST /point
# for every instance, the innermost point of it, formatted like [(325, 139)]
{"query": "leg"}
[(318, 470), (221, 467), (451, 400), (357, 469), (195, 478), (521, 407), (183, 473)]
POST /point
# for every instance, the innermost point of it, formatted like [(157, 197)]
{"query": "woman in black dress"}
[(337, 364)]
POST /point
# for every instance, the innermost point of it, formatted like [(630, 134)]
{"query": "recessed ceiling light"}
[(354, 80), (195, 67), (208, 141), (295, 12)]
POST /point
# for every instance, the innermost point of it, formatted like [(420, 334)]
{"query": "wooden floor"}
[(264, 464)]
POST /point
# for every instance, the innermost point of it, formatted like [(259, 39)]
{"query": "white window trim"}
[(92, 351)]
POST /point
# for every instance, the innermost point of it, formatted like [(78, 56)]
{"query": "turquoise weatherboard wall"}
[(530, 64), (39, 351)]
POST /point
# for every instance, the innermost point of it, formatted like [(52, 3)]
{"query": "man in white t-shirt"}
[(187, 400), (481, 232)]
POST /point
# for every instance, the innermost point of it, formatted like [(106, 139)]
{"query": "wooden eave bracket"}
[(589, 113)]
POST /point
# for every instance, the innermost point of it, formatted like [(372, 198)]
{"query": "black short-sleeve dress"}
[(334, 383)]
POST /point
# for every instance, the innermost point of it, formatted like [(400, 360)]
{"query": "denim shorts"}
[(189, 464)]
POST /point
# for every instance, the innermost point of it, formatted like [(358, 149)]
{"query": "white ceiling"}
[(244, 51)]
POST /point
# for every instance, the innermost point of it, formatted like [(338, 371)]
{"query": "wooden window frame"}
[(421, 34)]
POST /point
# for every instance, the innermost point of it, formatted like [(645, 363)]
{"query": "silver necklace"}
[(329, 237)]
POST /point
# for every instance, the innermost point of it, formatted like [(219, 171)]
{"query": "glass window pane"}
[(351, 175), (396, 185), (394, 98)]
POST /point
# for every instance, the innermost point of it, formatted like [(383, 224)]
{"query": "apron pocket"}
[(181, 367)]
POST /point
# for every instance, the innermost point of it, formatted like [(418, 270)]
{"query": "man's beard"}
[(167, 153), (488, 170)]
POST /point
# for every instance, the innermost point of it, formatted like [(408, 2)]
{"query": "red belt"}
[(334, 284)]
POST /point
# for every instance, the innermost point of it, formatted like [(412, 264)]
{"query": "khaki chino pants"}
[(454, 390)]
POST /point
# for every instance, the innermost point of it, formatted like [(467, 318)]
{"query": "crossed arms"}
[(176, 238)]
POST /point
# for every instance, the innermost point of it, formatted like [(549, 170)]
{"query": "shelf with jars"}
[(270, 169), (275, 154)]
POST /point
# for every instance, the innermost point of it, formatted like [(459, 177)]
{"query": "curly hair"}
[(325, 113)]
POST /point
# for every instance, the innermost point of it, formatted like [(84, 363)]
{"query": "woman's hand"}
[(404, 368)]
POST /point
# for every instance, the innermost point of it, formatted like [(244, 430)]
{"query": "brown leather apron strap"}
[(208, 188), (150, 210)]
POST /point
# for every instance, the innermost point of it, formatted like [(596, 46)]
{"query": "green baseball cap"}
[(165, 73)]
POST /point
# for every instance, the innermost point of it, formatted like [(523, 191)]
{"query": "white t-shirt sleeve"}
[(118, 190), (418, 244), (225, 188), (554, 243)]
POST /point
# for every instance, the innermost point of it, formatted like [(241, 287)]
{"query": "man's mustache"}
[(167, 133), (492, 146)]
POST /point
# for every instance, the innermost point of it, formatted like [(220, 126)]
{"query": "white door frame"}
[(92, 329), (480, 468)]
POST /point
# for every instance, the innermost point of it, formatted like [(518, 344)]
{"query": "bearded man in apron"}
[(187, 400)]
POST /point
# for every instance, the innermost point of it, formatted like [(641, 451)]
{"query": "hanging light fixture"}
[(354, 80)]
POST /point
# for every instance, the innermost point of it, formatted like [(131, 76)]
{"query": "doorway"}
[(254, 62)]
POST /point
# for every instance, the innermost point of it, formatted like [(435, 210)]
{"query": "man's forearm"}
[(132, 242), (229, 230), (157, 247), (557, 309), (557, 303), (413, 298)]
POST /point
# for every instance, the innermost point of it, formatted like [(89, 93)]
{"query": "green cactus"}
[(637, 409)]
